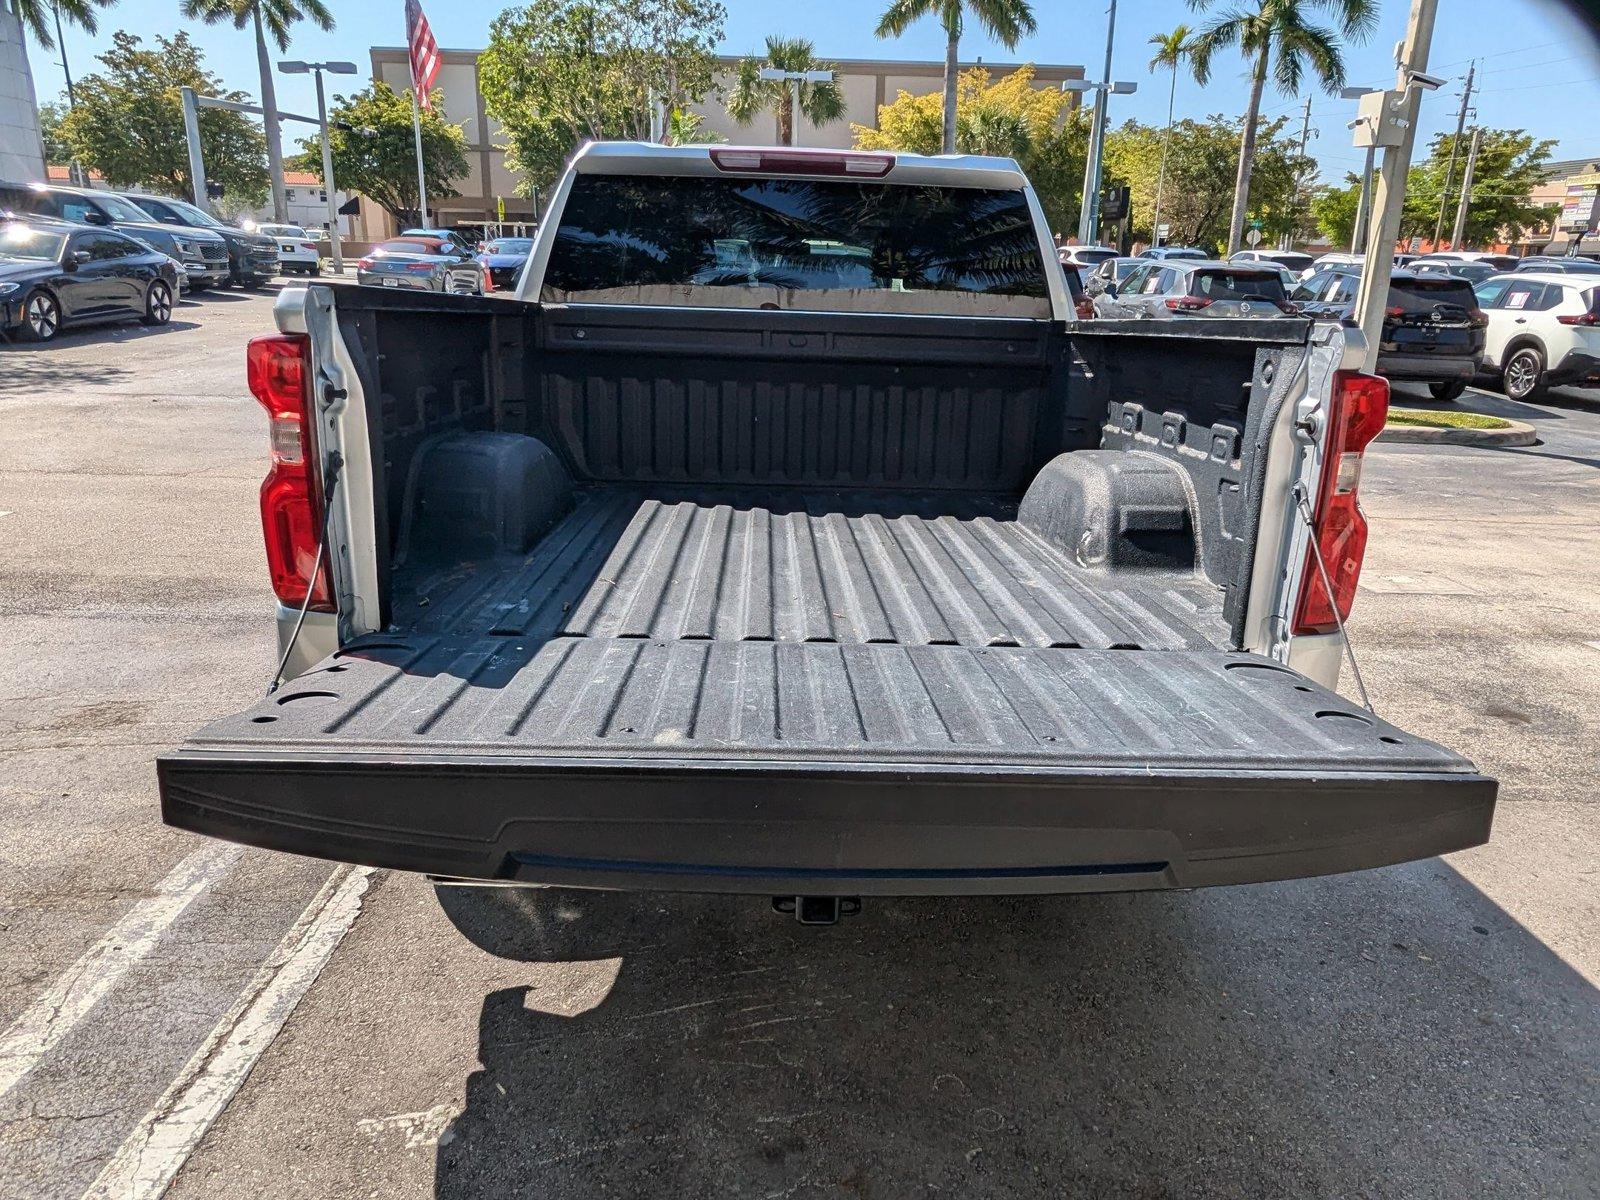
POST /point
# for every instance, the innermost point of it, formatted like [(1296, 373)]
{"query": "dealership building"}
[(489, 187)]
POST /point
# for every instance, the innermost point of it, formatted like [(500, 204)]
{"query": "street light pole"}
[(1396, 113), (316, 70), (794, 79), (1089, 215), (1459, 232)]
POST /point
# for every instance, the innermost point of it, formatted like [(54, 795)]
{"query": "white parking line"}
[(83, 985), (148, 1161)]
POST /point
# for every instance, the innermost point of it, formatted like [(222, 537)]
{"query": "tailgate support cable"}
[(1327, 586), (332, 473)]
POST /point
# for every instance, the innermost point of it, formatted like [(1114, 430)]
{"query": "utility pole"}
[(1455, 146), (1358, 235), (1299, 179), (1466, 190), (1089, 215), (1397, 134)]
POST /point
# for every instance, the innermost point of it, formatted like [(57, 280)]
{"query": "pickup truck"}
[(785, 534)]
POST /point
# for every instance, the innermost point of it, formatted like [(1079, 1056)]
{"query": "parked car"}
[(1111, 271), (252, 257), (1472, 272), (297, 249), (1186, 252), (1296, 262), (1085, 258), (423, 263), (1492, 258), (1044, 619), (1568, 265), (503, 260), (1433, 328), (1544, 330), (1173, 288), (55, 274), (204, 254)]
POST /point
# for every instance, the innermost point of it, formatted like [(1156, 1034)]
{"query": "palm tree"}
[(1171, 49), (752, 95), (1279, 34), (37, 17), (274, 17), (1005, 20)]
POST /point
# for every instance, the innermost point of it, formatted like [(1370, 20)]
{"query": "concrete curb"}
[(1519, 434)]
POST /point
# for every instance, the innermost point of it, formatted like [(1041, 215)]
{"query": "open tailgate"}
[(821, 768)]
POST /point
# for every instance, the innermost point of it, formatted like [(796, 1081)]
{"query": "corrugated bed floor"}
[(802, 568)]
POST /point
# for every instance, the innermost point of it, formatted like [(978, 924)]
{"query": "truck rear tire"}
[(1448, 391)]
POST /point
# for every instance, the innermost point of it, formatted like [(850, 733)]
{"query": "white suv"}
[(1544, 331)]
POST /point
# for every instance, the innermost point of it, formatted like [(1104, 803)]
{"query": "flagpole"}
[(422, 183)]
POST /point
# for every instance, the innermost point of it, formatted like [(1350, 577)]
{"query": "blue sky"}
[(1540, 69)]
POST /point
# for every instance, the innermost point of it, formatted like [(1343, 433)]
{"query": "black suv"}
[(1433, 329), (203, 254), (252, 257)]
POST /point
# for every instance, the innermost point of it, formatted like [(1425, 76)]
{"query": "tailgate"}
[(810, 767)]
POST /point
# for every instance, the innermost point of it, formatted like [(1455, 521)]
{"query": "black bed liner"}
[(818, 567)]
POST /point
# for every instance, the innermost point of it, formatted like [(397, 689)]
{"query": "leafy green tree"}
[(1007, 21), (56, 149), (371, 140), (1039, 127), (1510, 165), (1280, 35), (561, 72), (274, 19), (128, 123), (685, 128), (1172, 49), (1201, 159), (752, 95)]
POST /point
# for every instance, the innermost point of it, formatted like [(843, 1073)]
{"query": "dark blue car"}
[(55, 274), (503, 259)]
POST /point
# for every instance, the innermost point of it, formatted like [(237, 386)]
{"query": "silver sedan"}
[(425, 264)]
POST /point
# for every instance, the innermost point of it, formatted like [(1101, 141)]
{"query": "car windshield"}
[(1294, 262), (1220, 284), (191, 215), (509, 246), (820, 244), (119, 209), (26, 242)]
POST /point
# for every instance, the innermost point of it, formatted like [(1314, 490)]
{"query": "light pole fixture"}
[(794, 79), (1364, 127), (296, 67), (1089, 214)]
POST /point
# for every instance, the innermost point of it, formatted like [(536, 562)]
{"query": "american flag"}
[(424, 53)]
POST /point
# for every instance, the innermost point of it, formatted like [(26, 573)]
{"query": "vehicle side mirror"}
[(95, 217), (76, 259), (1109, 288)]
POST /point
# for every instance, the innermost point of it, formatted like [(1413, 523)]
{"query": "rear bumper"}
[(1428, 368), (1575, 367), (853, 830)]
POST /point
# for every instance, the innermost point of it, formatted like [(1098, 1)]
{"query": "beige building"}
[(867, 84)]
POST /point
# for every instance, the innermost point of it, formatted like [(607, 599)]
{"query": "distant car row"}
[(443, 260), (1532, 327)]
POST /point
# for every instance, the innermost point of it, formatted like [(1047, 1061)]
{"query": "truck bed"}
[(820, 567)]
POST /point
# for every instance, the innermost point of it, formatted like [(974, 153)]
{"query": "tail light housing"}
[(1359, 407), (311, 246), (419, 266), (279, 371), (1477, 318), (1188, 303), (365, 264), (1587, 318)]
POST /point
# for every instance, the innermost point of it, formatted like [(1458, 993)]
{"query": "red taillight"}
[(1394, 313), (1587, 318), (365, 264), (1359, 407), (1188, 303), (803, 162), (419, 266), (279, 371), (1477, 318), (311, 246)]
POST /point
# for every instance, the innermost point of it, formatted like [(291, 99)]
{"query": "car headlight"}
[(7, 288), (184, 245)]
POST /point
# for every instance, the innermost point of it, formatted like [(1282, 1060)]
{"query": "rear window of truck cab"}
[(828, 245)]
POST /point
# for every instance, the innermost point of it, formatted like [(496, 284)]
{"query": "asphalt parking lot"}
[(1425, 1030)]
